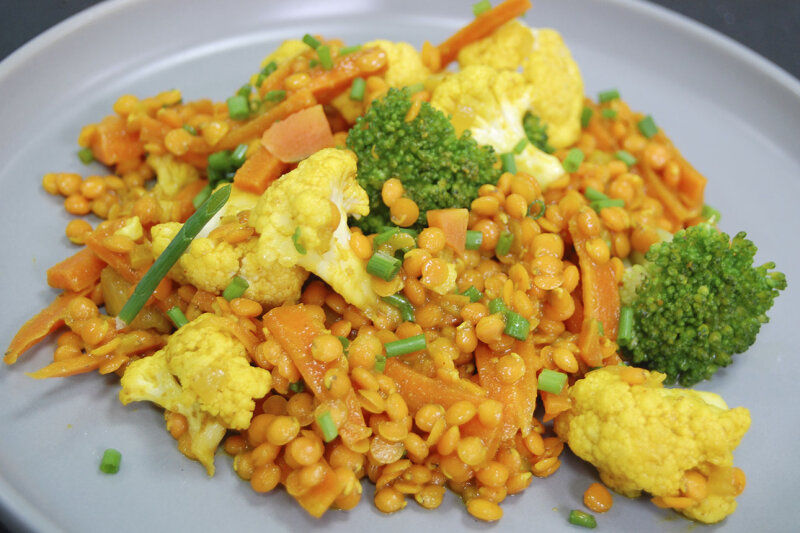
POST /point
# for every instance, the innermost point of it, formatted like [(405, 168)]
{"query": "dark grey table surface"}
[(769, 27)]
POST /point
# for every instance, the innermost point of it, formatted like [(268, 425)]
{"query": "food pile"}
[(365, 264)]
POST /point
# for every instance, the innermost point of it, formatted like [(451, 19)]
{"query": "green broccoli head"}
[(438, 169), (698, 301), (536, 132)]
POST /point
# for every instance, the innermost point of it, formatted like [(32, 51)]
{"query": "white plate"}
[(734, 116)]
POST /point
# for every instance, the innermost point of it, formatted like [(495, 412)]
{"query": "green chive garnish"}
[(647, 126), (384, 236), (625, 331), (173, 251), (711, 215), (296, 240), (473, 294), (220, 161), (517, 326), (402, 304), (384, 266), (235, 288), (599, 205), (345, 343), (579, 518), (86, 155), (176, 315), (380, 363), (191, 129), (573, 160), (520, 146), (405, 346), (481, 7), (474, 239), (278, 95), (311, 41), (201, 197), (607, 96), (328, 426), (358, 89), (417, 87), (324, 53), (110, 462), (509, 165), (504, 244), (238, 107), (297, 386), (349, 49), (497, 305), (551, 381), (609, 113), (594, 195), (245, 90), (586, 116), (537, 209), (269, 68), (626, 157), (313, 63)]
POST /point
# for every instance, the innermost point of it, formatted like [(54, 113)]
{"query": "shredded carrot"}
[(77, 272), (80, 364), (259, 171), (113, 143), (554, 404), (322, 495)]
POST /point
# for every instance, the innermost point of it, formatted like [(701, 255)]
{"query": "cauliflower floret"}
[(204, 374), (172, 175), (210, 265), (647, 438), (491, 104), (546, 64), (302, 220)]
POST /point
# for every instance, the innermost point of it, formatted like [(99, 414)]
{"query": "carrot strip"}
[(657, 189), (259, 171), (73, 366), (483, 25), (295, 328), (118, 261), (599, 285), (320, 498), (453, 222), (255, 128), (692, 184), (554, 404), (75, 273), (113, 143), (40, 326)]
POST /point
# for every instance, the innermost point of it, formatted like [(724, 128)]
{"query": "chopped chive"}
[(539, 211), (711, 215), (402, 304), (551, 381), (473, 294), (600, 326), (296, 241), (509, 165), (245, 90), (238, 155), (349, 49), (586, 116), (328, 426), (579, 518), (345, 343), (297, 386), (358, 89), (260, 80), (405, 346), (215, 175), (607, 96), (474, 239), (313, 63), (384, 266), (625, 331), (481, 7), (324, 53), (504, 243), (191, 129), (380, 363), (201, 197), (647, 126), (520, 146), (235, 288), (593, 195), (384, 236), (86, 155), (626, 157), (176, 315), (497, 305), (517, 326), (609, 113), (278, 95), (599, 205), (173, 251), (220, 160), (110, 461), (573, 160), (311, 41), (269, 68), (417, 87), (238, 107)]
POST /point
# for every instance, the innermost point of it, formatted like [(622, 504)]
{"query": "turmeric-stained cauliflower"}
[(210, 264), (546, 64), (491, 104), (302, 220), (172, 175), (204, 374), (675, 444)]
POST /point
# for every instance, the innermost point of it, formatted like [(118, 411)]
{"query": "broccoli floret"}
[(536, 132), (438, 168), (699, 300)]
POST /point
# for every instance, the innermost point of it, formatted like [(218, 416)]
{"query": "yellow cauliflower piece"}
[(646, 438), (546, 64), (210, 265), (309, 206), (491, 104), (204, 374)]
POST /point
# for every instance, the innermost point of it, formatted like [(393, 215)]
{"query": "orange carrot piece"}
[(299, 135), (256, 127), (40, 326), (692, 184), (658, 189), (152, 130), (75, 273), (554, 404), (295, 328), (482, 26), (589, 343), (259, 171), (80, 364), (599, 285), (113, 143), (118, 261), (418, 389), (453, 222), (320, 498)]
